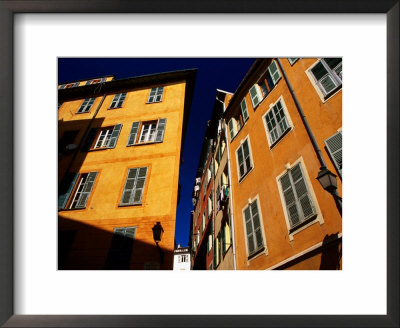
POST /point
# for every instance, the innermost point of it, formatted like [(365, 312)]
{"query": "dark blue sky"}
[(212, 74)]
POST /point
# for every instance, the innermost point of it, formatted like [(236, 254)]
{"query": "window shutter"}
[(241, 161), (256, 224), (134, 185), (114, 101), (160, 129), (334, 147), (290, 200), (121, 100), (223, 239), (249, 230), (231, 128), (243, 107), (62, 86), (89, 139), (274, 72), (65, 188), (254, 95), (114, 136), (301, 191), (133, 134), (87, 189)]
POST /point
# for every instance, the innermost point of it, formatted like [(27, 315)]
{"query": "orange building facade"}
[(283, 134), (284, 124), (120, 146)]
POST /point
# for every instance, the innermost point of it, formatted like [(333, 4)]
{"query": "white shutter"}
[(274, 72), (255, 95), (133, 134), (243, 107), (114, 136)]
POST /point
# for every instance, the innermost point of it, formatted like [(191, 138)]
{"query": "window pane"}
[(328, 84), (333, 62), (319, 71)]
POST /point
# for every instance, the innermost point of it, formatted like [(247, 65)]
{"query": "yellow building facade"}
[(120, 146)]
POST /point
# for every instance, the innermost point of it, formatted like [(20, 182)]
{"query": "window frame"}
[(247, 170), (338, 81), (85, 108), (316, 217), (292, 61), (289, 123), (76, 193), (154, 100), (117, 99), (132, 191), (106, 139)]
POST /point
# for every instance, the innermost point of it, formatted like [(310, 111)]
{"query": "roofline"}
[(91, 78), (223, 91)]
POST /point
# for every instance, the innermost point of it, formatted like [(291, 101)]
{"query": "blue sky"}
[(212, 74)]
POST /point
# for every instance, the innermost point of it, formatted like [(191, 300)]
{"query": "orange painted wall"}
[(325, 119), (102, 212)]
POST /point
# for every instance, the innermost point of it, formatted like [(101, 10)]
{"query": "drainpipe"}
[(230, 192), (318, 151)]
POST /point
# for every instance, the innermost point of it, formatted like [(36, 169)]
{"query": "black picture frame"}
[(11, 7)]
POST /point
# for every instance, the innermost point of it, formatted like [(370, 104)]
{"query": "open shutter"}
[(114, 136), (87, 189), (231, 128), (243, 107), (256, 224), (89, 139), (274, 72), (334, 147), (133, 133), (160, 129), (290, 200), (254, 95), (65, 188), (241, 161)]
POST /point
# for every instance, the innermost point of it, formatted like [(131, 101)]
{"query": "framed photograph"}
[(35, 34)]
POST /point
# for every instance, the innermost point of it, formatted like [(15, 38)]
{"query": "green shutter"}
[(114, 136), (65, 188), (274, 72), (303, 196), (133, 133), (87, 189), (255, 97), (290, 200), (243, 107), (249, 230), (334, 147), (160, 129), (134, 186), (90, 138), (231, 129)]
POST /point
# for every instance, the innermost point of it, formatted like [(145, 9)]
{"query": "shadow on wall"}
[(84, 247), (326, 257)]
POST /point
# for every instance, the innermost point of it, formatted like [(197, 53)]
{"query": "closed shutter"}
[(256, 225), (160, 129), (274, 72), (246, 153), (241, 161), (334, 147), (290, 200), (303, 196), (133, 133), (65, 188), (243, 107), (134, 186), (254, 95), (114, 136), (90, 138), (249, 230)]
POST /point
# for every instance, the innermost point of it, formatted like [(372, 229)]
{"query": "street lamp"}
[(157, 235), (328, 181)]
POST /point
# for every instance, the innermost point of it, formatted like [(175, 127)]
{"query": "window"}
[(86, 105), (261, 89), (102, 138), (254, 234), (244, 159), (210, 205), (276, 123), (243, 107), (150, 132), (69, 85), (299, 205), (209, 242), (75, 189), (328, 75), (120, 251), (203, 222), (118, 100), (155, 95), (225, 233), (234, 126), (292, 60), (134, 186), (334, 147), (96, 81)]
